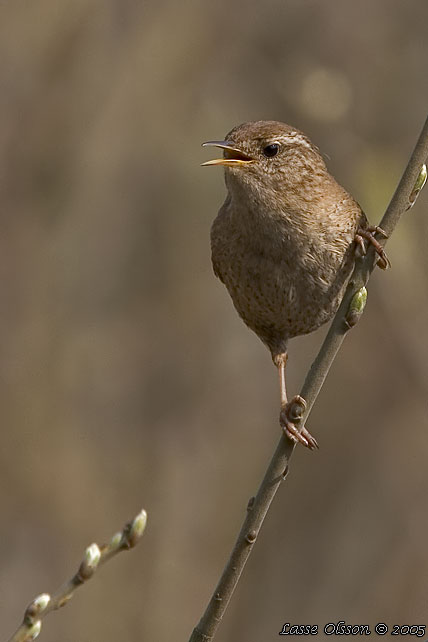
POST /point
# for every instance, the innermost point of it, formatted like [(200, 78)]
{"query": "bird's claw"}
[(367, 234), (290, 414)]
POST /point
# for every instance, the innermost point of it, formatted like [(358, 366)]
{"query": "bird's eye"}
[(271, 150)]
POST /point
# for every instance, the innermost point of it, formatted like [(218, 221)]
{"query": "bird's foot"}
[(366, 236), (291, 414)]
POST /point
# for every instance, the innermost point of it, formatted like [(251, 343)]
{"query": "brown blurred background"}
[(127, 379)]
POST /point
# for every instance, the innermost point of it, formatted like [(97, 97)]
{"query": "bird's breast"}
[(282, 282)]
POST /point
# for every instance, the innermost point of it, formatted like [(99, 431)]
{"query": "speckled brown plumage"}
[(283, 241)]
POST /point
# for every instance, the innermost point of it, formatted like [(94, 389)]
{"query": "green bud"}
[(422, 178), (137, 528), (420, 182), (356, 307), (33, 631), (89, 564), (115, 542), (41, 601), (92, 556)]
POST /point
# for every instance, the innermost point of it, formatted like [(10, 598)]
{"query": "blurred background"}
[(128, 380)]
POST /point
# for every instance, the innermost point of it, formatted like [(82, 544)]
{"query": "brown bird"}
[(284, 240)]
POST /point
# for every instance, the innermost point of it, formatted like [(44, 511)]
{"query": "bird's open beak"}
[(233, 157)]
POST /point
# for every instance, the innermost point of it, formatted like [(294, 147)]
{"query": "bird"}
[(284, 242)]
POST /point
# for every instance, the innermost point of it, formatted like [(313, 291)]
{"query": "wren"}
[(284, 241)]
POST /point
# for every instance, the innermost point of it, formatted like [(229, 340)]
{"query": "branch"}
[(348, 313), (93, 558)]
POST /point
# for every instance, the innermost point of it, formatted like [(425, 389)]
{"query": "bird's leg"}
[(291, 411), (368, 234)]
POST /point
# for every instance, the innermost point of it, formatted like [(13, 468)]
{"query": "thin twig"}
[(93, 558), (258, 506)]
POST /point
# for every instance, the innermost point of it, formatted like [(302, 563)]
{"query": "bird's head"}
[(265, 154)]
